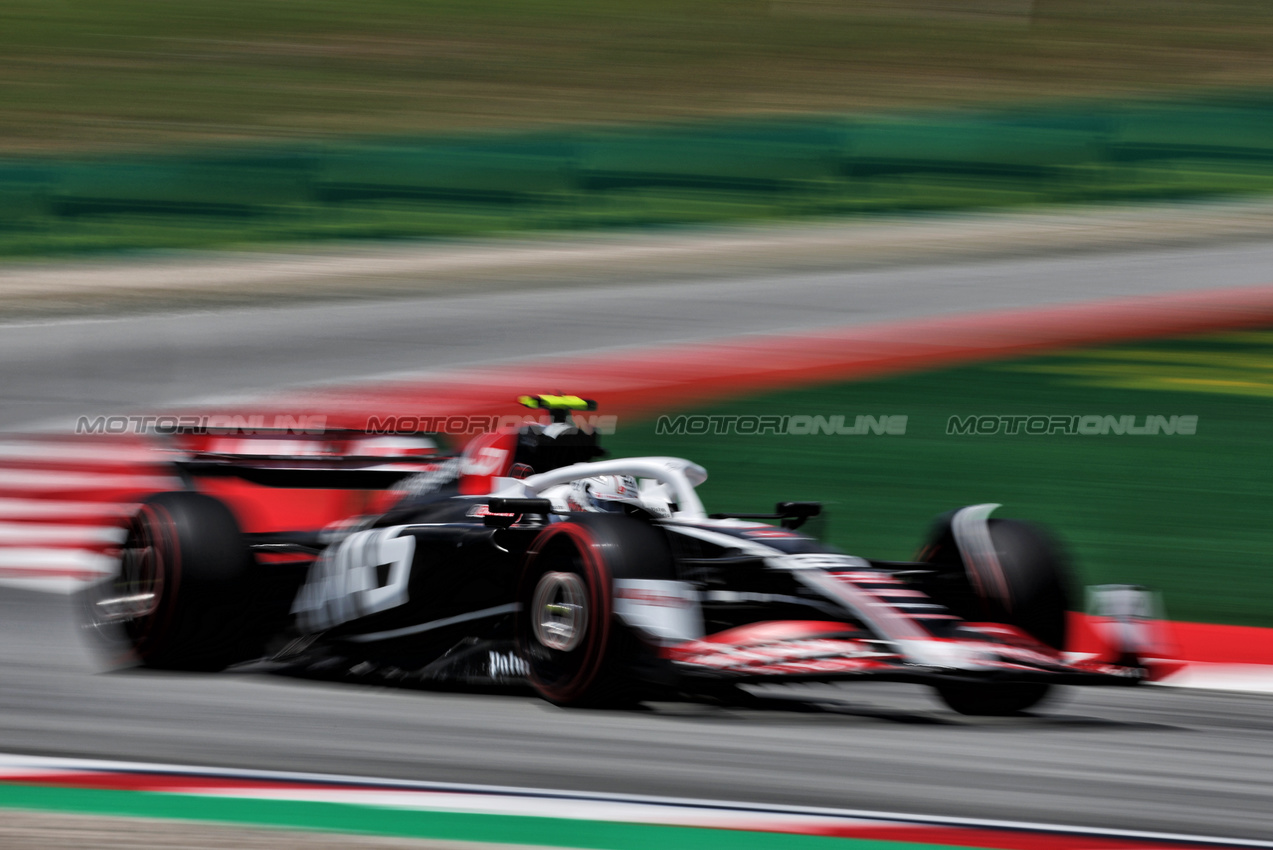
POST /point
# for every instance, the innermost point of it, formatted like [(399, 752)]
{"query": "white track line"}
[(494, 799)]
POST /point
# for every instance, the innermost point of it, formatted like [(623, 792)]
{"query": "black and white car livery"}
[(658, 599)]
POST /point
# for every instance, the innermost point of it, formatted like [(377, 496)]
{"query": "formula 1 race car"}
[(524, 559)]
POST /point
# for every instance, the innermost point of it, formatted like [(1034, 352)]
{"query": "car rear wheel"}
[(1030, 591), (181, 597)]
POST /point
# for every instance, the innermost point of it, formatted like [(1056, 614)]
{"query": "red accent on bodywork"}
[(1011, 636), (269, 508), (780, 647), (777, 630), (486, 457)]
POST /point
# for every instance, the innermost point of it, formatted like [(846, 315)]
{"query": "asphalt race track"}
[(1154, 759), (52, 372)]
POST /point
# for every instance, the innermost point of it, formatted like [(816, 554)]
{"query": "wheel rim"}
[(560, 611), (133, 596)]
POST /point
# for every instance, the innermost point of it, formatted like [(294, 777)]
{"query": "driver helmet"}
[(604, 494)]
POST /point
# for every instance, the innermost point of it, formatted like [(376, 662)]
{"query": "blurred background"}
[(209, 204), (127, 124)]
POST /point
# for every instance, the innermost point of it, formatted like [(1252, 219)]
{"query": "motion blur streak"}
[(334, 132), (64, 503)]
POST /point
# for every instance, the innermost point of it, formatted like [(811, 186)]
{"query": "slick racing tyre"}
[(1030, 591), (181, 596), (576, 651), (985, 700)]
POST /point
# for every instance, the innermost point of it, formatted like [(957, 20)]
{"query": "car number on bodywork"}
[(346, 582)]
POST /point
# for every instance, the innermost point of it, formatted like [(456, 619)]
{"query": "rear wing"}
[(333, 460), (353, 459)]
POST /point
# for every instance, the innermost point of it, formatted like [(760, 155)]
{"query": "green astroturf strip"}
[(1188, 515), (339, 817)]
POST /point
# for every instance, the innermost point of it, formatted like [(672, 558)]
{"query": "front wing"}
[(777, 652)]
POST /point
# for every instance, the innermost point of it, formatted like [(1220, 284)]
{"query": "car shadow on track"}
[(781, 710), (735, 706), (804, 709)]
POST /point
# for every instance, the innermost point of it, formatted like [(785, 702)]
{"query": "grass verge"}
[(1188, 515), (109, 74)]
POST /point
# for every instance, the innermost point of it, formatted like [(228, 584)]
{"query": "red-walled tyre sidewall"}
[(567, 678), (150, 634), (203, 578)]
